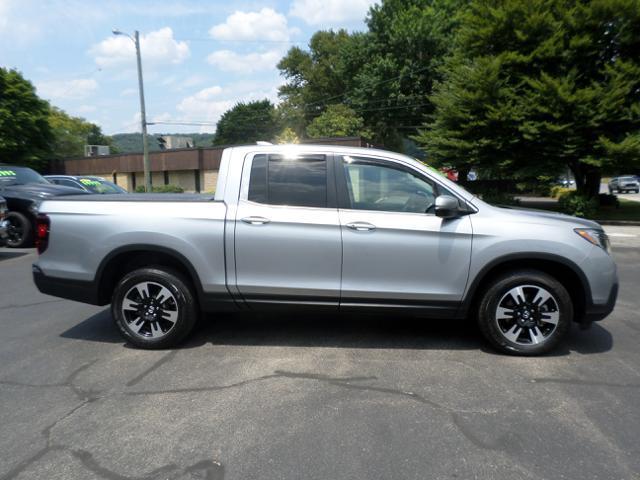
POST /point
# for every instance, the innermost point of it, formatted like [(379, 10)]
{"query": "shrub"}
[(496, 197), (161, 189), (558, 190), (608, 200), (578, 205), (538, 187)]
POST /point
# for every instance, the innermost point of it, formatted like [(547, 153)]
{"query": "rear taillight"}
[(42, 232)]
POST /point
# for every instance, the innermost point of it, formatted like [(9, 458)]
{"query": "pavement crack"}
[(505, 442), (25, 305), (69, 382), (578, 381), (213, 388)]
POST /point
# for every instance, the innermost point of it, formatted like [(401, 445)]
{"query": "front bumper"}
[(594, 313)]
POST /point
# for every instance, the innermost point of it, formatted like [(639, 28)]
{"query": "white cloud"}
[(210, 103), (162, 117), (75, 89), (127, 92), (86, 109), (330, 12), (245, 63), (158, 48), (193, 81), (267, 24), (204, 106), (132, 125)]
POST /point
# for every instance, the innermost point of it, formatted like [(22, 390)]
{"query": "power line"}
[(260, 41), (193, 124)]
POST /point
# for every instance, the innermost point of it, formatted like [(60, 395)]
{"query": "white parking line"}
[(613, 234)]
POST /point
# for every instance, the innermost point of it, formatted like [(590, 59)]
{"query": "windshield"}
[(19, 176), (98, 185), (627, 179)]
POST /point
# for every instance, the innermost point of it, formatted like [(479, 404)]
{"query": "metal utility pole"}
[(143, 113)]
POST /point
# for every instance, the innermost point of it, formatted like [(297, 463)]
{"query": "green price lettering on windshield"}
[(7, 173), (86, 181)]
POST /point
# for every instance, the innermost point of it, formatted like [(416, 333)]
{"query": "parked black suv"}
[(4, 225), (24, 190)]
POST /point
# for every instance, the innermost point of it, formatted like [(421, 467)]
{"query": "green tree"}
[(536, 86), (247, 123), (317, 74), (337, 121), (25, 134), (404, 49), (71, 134), (385, 74), (287, 135)]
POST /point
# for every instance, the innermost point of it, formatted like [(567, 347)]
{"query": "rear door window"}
[(300, 180)]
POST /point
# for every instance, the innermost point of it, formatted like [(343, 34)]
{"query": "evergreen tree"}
[(536, 86)]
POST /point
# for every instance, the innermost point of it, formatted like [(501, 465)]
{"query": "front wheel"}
[(525, 313), (154, 307)]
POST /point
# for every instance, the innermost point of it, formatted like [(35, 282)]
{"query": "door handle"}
[(361, 226), (255, 220)]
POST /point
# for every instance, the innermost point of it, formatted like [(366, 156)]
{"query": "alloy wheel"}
[(527, 315), (150, 310), (14, 232)]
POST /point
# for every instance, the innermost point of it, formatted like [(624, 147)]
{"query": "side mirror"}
[(447, 206)]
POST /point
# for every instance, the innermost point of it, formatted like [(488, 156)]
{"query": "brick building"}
[(194, 169)]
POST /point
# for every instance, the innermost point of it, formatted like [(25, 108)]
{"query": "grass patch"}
[(629, 210)]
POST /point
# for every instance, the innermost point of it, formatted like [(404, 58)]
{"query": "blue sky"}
[(199, 57)]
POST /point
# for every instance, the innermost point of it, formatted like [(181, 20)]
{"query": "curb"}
[(620, 223)]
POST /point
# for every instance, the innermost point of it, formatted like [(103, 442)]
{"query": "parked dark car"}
[(88, 183), (24, 190), (4, 225)]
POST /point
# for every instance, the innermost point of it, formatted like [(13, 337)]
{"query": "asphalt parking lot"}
[(317, 398)]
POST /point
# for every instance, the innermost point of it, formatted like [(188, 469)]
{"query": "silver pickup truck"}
[(331, 228)]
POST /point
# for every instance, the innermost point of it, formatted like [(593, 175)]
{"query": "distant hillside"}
[(132, 142)]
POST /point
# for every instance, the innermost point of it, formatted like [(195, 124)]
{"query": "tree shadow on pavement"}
[(338, 331)]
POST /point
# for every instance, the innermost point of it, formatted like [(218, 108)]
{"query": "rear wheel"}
[(20, 231), (154, 307), (525, 313)]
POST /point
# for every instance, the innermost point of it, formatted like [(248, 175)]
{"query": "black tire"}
[(526, 319), (20, 231), (155, 330)]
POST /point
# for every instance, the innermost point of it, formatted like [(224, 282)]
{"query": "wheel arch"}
[(123, 260), (562, 269)]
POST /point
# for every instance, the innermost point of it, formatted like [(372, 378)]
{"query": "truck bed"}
[(139, 197)]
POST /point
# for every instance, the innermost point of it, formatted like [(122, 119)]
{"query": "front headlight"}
[(596, 237)]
